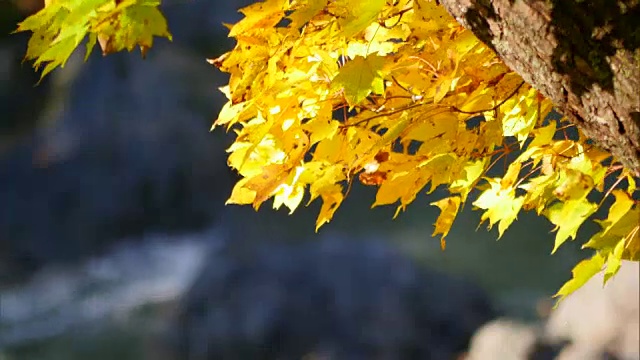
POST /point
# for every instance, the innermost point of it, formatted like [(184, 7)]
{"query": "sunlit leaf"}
[(568, 217), (502, 206), (360, 77), (60, 27), (582, 272), (449, 208), (360, 14)]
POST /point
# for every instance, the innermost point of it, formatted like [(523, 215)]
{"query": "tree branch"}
[(583, 55)]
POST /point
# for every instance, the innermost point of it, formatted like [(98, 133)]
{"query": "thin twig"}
[(515, 91)]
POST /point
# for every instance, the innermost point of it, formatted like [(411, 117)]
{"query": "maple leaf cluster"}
[(397, 95), (63, 25), (391, 93)]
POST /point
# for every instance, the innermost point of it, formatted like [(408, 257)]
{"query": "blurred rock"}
[(584, 352), (594, 323), (328, 299), (508, 339), (602, 319), (503, 339)]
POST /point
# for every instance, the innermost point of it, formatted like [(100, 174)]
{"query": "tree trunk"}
[(584, 55)]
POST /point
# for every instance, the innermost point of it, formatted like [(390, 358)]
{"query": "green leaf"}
[(359, 78), (41, 19), (139, 24), (56, 55), (60, 27), (93, 38), (362, 14)]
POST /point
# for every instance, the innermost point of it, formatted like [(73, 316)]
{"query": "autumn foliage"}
[(117, 25), (394, 94)]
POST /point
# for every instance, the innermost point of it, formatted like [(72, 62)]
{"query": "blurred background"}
[(115, 242)]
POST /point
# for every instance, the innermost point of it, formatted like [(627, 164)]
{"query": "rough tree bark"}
[(584, 55)]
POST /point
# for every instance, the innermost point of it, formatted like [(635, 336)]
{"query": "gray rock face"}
[(330, 299)]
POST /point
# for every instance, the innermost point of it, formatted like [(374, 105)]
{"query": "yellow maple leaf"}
[(265, 183), (331, 199), (321, 128), (263, 14), (329, 175), (290, 194), (539, 192), (240, 194), (573, 185), (621, 224), (511, 176), (331, 149), (614, 260), (543, 135), (449, 208), (440, 169), (439, 132), (568, 216), (582, 272), (469, 175), (521, 119), (400, 186), (501, 205), (305, 10)]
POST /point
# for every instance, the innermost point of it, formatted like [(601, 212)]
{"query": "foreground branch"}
[(584, 56)]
